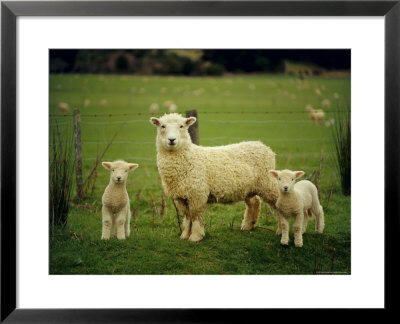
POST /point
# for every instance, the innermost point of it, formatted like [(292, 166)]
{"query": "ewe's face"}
[(286, 179), (173, 133), (119, 170)]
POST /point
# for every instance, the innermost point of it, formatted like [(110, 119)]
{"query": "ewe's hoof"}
[(195, 237), (184, 236), (247, 227), (105, 238), (298, 244)]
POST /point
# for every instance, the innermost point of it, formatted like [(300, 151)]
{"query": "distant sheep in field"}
[(173, 108), (103, 102), (63, 106), (330, 122), (316, 115), (298, 200), (116, 212), (325, 103), (194, 175), (153, 108)]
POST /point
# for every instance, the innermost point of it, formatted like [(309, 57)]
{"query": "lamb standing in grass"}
[(195, 175), (116, 209), (298, 200)]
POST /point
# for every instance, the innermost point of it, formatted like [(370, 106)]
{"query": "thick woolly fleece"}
[(196, 175)]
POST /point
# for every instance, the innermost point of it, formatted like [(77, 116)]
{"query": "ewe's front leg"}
[(197, 232), (107, 222), (187, 225), (285, 229), (297, 229), (253, 207), (182, 206), (196, 210), (120, 222)]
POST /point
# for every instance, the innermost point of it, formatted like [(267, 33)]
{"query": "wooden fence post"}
[(78, 153), (194, 129)]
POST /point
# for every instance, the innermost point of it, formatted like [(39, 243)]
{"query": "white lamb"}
[(116, 209), (298, 200), (195, 175)]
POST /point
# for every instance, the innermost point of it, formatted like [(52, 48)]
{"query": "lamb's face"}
[(286, 179), (172, 131), (119, 170)]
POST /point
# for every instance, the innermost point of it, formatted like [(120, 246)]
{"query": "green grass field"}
[(230, 109)]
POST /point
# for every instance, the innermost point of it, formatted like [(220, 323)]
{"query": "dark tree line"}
[(210, 62)]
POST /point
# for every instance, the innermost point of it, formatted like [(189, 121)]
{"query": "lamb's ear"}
[(298, 174), (132, 166), (274, 173), (155, 121), (190, 121), (106, 165)]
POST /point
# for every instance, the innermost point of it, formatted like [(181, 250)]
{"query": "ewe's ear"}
[(155, 121), (106, 165), (132, 166), (190, 121), (274, 173), (298, 174)]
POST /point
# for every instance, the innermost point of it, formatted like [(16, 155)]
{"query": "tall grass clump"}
[(342, 144), (61, 176)]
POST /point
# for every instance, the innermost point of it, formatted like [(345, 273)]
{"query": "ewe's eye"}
[(112, 170), (126, 170), (181, 126), (292, 179), (162, 126), (279, 179)]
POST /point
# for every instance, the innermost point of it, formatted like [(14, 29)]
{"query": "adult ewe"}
[(194, 175)]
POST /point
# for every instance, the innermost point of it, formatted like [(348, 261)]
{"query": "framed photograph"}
[(171, 154)]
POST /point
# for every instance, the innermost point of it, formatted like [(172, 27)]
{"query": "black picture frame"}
[(10, 10)]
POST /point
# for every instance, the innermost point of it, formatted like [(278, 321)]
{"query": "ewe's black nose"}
[(286, 188), (171, 140), (118, 178)]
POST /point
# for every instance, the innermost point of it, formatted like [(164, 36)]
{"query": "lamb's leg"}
[(107, 223), (253, 207), (112, 228), (120, 221), (319, 219), (128, 222), (297, 229), (285, 229), (279, 229), (307, 216)]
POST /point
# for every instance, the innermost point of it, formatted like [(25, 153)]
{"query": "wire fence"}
[(297, 141)]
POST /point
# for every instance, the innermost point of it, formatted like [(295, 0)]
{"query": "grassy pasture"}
[(231, 109)]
